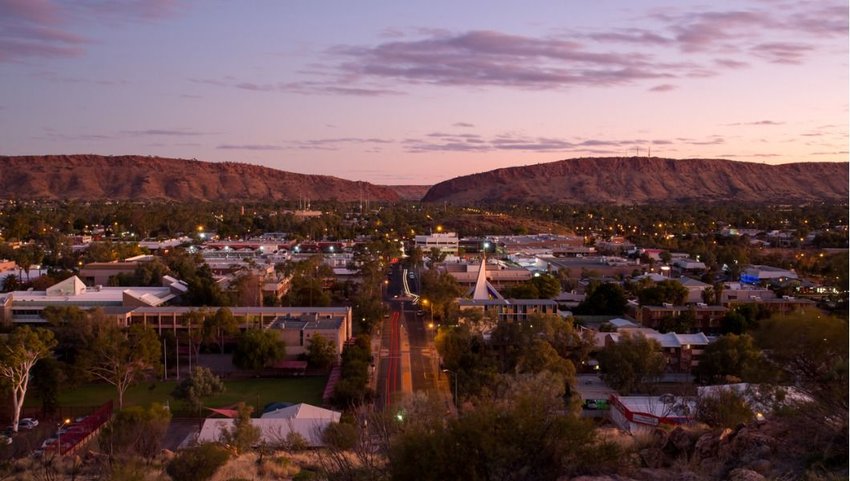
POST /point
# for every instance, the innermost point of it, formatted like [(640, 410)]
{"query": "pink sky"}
[(419, 92)]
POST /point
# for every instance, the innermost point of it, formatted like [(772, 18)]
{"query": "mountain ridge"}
[(95, 177), (640, 180)]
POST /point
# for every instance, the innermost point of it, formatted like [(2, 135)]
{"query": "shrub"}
[(198, 464), (340, 436), (296, 442), (305, 475), (725, 409)]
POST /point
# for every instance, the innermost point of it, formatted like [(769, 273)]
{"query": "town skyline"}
[(409, 94)]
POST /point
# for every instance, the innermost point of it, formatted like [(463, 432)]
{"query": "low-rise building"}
[(172, 318), (297, 332), (275, 427), (643, 414), (683, 351), (446, 242), (511, 310), (99, 273), (706, 318), (498, 274), (755, 274), (27, 306)]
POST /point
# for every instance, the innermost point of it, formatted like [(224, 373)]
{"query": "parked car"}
[(73, 429), (27, 423)]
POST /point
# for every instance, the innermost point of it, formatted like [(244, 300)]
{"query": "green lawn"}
[(266, 390)]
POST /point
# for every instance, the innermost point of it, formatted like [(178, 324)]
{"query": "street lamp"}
[(455, 375), (430, 306), (59, 427)]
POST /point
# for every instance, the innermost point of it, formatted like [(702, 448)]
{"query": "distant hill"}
[(641, 180), (93, 177), (410, 192)]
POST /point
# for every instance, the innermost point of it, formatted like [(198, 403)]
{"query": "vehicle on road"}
[(27, 423)]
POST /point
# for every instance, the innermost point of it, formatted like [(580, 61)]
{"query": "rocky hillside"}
[(410, 192), (93, 177), (643, 180)]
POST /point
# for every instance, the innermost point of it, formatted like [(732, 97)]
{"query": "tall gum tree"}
[(18, 354)]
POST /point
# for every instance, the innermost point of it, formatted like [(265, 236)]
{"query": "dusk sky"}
[(399, 92)]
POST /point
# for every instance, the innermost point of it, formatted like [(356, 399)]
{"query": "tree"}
[(435, 256), (548, 286), (521, 433), (667, 291), (725, 408), (122, 357), (353, 387), (441, 289), (47, 379), (630, 362), (136, 430), (19, 352), (11, 283), (243, 435), (201, 384), (321, 353), (219, 325), (816, 361), (606, 298), (258, 348), (728, 359)]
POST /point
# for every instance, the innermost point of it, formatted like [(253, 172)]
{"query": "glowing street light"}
[(64, 423), (426, 302)]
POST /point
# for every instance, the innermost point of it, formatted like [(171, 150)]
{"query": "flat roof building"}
[(444, 241), (27, 306)]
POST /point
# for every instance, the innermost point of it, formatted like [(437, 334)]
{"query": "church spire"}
[(480, 292)]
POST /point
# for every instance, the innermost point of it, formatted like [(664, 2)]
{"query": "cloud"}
[(131, 9), (702, 31), (164, 132), (757, 122), (327, 144), (36, 28), (754, 31), (326, 87), (820, 20), (729, 63), (782, 52), (463, 124), (249, 147), (632, 35), (663, 88), (490, 58), (52, 135), (838, 152), (760, 155), (335, 143), (47, 29), (51, 76), (446, 142)]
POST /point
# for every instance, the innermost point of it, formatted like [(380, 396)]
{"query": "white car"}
[(27, 423)]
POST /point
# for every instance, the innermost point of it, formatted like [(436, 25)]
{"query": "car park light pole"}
[(59, 435)]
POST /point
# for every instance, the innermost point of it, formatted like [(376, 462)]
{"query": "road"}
[(388, 362), (408, 360), (423, 355)]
